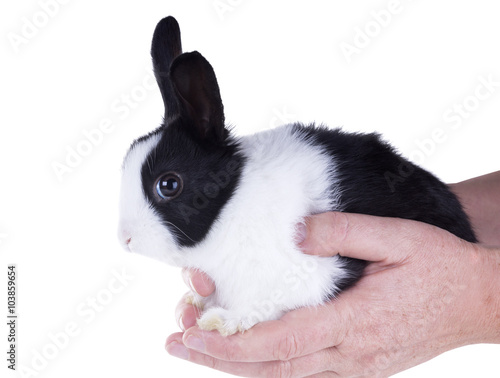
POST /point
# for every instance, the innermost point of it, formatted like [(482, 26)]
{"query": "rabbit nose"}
[(126, 242), (125, 237)]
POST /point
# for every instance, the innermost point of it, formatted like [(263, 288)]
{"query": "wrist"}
[(473, 314), (493, 308), (485, 322), (480, 198)]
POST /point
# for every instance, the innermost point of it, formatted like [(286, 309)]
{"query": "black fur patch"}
[(376, 180), (210, 175)]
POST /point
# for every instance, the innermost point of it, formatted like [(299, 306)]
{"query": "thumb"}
[(364, 237)]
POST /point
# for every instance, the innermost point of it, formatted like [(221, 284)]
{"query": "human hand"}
[(426, 292), (198, 282)]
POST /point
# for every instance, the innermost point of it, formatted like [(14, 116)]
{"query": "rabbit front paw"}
[(224, 321), (195, 300)]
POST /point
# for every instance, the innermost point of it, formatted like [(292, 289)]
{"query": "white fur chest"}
[(250, 252)]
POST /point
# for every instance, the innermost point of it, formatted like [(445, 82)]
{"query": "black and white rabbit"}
[(193, 195)]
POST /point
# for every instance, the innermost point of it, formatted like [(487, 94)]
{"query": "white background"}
[(274, 60)]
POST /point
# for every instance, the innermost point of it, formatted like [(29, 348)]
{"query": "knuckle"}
[(464, 246), (212, 363), (339, 226), (288, 347)]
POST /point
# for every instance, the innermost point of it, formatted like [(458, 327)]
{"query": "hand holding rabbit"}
[(425, 292)]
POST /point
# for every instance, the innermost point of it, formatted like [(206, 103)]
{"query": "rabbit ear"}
[(166, 46), (199, 100)]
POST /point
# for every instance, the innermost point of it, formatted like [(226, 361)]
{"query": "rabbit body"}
[(195, 196)]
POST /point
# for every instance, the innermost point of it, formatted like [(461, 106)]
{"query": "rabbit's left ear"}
[(198, 96), (166, 46)]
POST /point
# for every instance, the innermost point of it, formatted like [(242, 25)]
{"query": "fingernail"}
[(188, 279), (195, 343), (178, 350), (300, 233), (191, 286), (185, 276), (180, 323), (204, 281)]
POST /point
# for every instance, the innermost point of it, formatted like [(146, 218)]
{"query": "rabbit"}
[(193, 195)]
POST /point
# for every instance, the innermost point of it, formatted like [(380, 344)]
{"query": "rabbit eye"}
[(169, 186)]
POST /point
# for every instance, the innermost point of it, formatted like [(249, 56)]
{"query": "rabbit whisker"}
[(182, 232)]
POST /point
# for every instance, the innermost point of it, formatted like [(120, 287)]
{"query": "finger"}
[(175, 337), (309, 365), (242, 369), (185, 313), (363, 236), (198, 282), (292, 336), (326, 374)]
